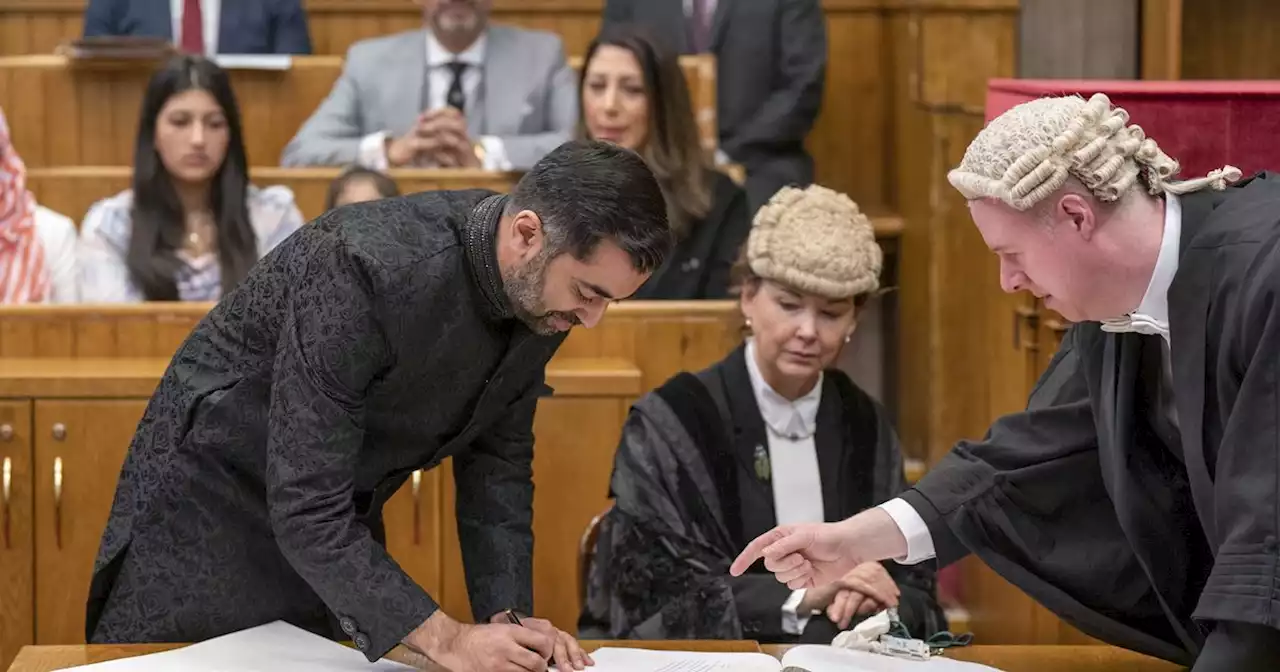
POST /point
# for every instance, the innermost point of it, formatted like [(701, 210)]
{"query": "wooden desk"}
[(63, 115), (1044, 658), (76, 417), (1047, 658)]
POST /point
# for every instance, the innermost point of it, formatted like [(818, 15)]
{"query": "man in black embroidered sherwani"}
[(380, 339), (1138, 495)]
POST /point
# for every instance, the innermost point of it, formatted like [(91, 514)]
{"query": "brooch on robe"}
[(764, 471)]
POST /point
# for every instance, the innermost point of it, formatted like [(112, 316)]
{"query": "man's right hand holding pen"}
[(506, 644)]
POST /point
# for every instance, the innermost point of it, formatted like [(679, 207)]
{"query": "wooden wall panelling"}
[(687, 335), (848, 142), (37, 26), (17, 550), (942, 56), (1236, 40), (1161, 55), (1085, 39), (62, 114), (83, 441), (139, 330)]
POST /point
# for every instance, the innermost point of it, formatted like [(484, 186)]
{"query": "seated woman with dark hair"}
[(770, 435), (358, 184), (634, 94), (192, 224)]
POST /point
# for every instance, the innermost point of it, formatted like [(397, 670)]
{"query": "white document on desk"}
[(274, 647), (808, 658)]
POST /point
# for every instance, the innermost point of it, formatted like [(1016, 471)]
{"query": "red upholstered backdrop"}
[(1202, 124)]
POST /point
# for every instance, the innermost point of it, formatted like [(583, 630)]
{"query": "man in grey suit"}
[(460, 93), (771, 58)]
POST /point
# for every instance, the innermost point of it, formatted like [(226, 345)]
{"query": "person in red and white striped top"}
[(37, 245)]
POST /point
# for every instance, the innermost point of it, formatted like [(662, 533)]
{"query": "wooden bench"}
[(72, 190), (64, 115), (65, 426), (662, 338)]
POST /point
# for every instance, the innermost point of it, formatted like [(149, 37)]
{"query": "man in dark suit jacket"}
[(378, 340), (227, 26), (771, 60), (1137, 496)]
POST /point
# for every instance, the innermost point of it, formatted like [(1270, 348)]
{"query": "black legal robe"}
[(373, 342), (689, 493), (1143, 542)]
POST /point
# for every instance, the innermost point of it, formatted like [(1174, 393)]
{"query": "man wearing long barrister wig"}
[(1136, 496)]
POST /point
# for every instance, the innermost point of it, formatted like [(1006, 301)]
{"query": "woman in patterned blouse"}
[(192, 225)]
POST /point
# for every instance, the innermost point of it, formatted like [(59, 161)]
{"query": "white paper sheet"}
[(829, 659), (274, 647), (253, 61), (642, 660), (808, 658)]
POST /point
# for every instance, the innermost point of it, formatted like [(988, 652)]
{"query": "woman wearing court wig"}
[(769, 435), (191, 225)]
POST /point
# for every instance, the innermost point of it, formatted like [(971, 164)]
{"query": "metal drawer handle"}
[(57, 502), (417, 487), (7, 488)]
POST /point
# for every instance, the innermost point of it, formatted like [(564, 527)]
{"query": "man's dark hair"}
[(587, 191)]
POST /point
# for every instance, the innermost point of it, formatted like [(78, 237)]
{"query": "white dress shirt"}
[(212, 11), (57, 236), (373, 148), (793, 462), (1151, 316)]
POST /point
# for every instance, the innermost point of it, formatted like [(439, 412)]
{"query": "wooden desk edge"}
[(137, 378)]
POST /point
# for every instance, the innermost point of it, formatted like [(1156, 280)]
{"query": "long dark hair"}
[(672, 149), (159, 221)]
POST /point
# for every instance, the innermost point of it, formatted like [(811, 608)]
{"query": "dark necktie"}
[(192, 27), (700, 28), (456, 98)]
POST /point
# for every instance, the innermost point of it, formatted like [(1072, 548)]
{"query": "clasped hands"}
[(833, 559), (866, 589), (438, 138)]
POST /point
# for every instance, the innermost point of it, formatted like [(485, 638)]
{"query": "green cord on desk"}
[(941, 640)]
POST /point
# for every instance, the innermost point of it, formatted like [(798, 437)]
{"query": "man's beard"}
[(524, 287)]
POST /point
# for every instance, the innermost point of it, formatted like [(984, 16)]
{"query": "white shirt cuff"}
[(913, 527), (793, 623), (373, 151), (495, 153)]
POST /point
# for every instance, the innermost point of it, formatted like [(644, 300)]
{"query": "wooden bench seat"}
[(63, 115)]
